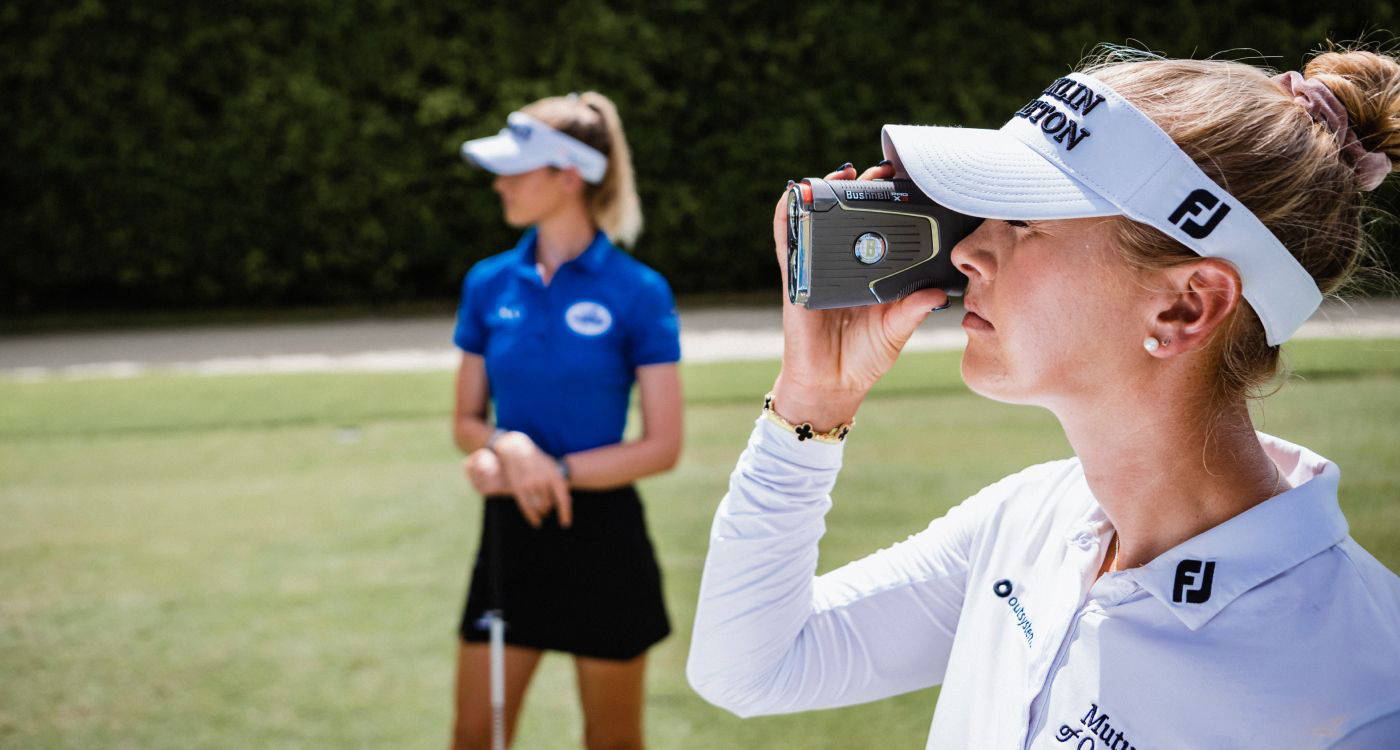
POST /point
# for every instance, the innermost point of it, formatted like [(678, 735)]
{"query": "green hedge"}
[(261, 154)]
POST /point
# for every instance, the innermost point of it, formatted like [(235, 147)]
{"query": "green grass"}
[(279, 561)]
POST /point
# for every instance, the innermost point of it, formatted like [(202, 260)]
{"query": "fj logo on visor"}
[(1196, 202), (1193, 579)]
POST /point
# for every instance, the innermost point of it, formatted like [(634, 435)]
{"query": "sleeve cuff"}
[(772, 440)]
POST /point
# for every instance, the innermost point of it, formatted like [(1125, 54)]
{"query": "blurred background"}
[(265, 155), (268, 544)]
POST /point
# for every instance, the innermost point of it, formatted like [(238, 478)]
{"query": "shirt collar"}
[(1201, 576), (591, 259)]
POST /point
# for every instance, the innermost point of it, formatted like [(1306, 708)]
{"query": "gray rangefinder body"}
[(865, 242)]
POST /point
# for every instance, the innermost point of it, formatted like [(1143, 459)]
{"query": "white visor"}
[(1082, 150), (526, 143)]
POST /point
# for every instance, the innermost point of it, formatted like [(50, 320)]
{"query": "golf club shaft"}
[(498, 681)]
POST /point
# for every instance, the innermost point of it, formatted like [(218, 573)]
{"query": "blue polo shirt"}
[(561, 359)]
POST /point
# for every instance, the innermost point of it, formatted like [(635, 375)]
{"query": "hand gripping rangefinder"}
[(864, 242)]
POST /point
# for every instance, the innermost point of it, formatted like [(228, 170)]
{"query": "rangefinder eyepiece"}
[(865, 242)]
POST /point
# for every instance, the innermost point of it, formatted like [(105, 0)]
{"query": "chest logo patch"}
[(1003, 589), (588, 318)]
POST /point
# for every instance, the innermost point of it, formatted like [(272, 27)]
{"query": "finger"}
[(846, 171), (492, 484), (542, 501), (487, 459), (478, 480), (906, 314), (527, 509), (780, 236), (563, 503), (882, 171)]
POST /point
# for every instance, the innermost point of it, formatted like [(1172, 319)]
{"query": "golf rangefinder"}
[(864, 242)]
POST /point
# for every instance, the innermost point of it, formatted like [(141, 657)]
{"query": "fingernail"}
[(943, 306), (885, 163), (844, 167)]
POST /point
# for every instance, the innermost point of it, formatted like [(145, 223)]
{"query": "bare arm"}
[(655, 451), (470, 430), (522, 470)]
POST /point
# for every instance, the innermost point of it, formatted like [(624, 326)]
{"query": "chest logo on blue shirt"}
[(508, 313), (588, 318)]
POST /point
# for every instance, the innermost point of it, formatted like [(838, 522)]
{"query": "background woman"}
[(554, 333), (1155, 229)]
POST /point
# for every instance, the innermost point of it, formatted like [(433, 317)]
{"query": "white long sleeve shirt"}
[(1273, 629)]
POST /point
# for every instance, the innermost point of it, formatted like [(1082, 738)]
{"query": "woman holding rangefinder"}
[(554, 333), (1154, 230)]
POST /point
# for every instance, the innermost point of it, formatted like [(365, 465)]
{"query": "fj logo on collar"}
[(1193, 579), (1194, 203)]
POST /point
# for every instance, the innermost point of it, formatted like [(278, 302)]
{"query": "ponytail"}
[(614, 204), (592, 118)]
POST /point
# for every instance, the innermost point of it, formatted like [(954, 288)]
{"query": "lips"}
[(973, 320)]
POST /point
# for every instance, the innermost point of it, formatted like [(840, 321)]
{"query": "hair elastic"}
[(1323, 106)]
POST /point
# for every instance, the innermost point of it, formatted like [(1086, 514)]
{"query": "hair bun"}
[(1368, 85)]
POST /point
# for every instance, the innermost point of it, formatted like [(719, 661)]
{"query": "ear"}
[(571, 180), (1200, 297)]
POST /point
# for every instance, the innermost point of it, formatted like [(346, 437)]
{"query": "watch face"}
[(870, 248)]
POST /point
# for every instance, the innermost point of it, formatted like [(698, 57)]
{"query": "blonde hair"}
[(1267, 151), (591, 117)]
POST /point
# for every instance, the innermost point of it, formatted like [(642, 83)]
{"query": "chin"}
[(992, 380)]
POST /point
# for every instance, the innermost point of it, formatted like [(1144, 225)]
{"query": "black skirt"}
[(593, 589)]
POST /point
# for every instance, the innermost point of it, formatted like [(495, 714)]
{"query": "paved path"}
[(416, 344)]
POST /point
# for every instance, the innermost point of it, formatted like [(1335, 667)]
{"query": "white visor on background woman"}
[(526, 143), (1082, 150)]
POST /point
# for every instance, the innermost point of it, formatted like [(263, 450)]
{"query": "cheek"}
[(1061, 326), (520, 206), (1027, 353), (538, 200)]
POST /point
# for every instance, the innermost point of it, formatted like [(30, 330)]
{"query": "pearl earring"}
[(1151, 343)]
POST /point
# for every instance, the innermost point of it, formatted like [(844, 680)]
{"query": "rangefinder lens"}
[(870, 248)]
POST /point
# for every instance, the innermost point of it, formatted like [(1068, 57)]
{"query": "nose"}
[(973, 255)]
